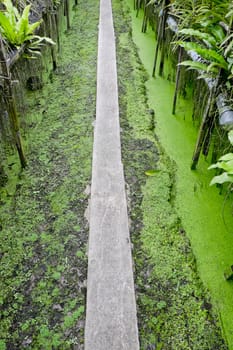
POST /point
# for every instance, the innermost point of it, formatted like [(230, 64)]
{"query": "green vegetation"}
[(224, 163), (43, 232), (176, 234), (206, 28), (17, 30), (15, 27), (174, 308), (199, 206)]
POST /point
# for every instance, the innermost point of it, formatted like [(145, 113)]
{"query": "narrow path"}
[(111, 311)]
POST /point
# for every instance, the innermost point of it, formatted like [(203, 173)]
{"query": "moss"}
[(174, 308), (44, 232)]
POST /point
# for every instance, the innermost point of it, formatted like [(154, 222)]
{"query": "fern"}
[(16, 28), (199, 35), (194, 65), (7, 29), (205, 53)]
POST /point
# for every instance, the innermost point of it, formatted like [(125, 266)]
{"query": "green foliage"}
[(2, 345), (198, 66), (71, 319), (198, 34), (152, 172), (41, 276), (168, 299), (17, 29), (205, 28), (47, 339), (224, 163)]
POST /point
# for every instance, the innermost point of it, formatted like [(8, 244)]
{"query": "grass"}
[(44, 232)]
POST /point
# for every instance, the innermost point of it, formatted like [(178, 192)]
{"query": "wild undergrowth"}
[(174, 309), (43, 232)]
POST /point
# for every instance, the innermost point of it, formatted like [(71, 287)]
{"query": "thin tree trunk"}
[(145, 17), (157, 46), (162, 58), (52, 28), (67, 13), (203, 130), (56, 18), (10, 105), (177, 80)]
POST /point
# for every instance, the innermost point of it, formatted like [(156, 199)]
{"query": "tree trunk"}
[(10, 105)]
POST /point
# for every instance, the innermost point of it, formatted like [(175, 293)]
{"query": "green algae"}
[(43, 230), (174, 308), (200, 208)]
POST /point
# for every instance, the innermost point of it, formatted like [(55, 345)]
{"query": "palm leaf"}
[(218, 32), (210, 55), (194, 65), (199, 35)]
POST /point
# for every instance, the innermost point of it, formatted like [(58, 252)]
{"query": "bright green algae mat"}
[(199, 206), (44, 233)]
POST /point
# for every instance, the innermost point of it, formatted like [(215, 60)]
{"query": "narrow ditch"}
[(174, 309)]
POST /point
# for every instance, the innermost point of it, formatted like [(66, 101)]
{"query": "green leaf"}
[(16, 28), (79, 254), (200, 35), (23, 26), (2, 345), (152, 172), (42, 39), (218, 32), (228, 156), (212, 67), (11, 12), (225, 165), (220, 179), (228, 48), (230, 136), (6, 28), (56, 275), (33, 27), (194, 65), (210, 55), (214, 166)]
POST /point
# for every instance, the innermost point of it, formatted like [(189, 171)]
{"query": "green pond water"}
[(205, 216)]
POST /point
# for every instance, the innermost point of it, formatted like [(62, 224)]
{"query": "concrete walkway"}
[(111, 322)]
